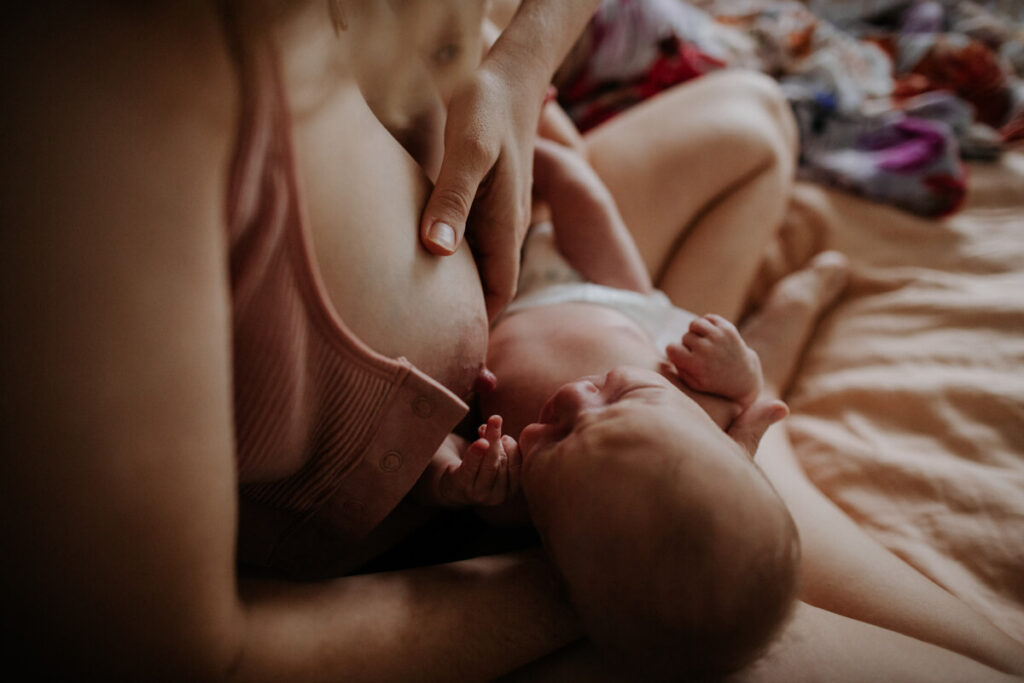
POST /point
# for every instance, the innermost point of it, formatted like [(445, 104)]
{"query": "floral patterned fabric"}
[(889, 98)]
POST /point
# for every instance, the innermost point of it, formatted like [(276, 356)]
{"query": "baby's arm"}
[(589, 231), (485, 473)]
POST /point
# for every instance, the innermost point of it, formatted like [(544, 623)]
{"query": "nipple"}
[(485, 381)]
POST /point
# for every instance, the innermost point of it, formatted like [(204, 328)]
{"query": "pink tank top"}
[(330, 435)]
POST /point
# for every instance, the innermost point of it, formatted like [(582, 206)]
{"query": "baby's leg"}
[(780, 330), (713, 358)]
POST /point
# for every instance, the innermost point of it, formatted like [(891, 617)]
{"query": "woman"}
[(194, 187)]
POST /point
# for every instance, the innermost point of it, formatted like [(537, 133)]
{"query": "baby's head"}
[(678, 554)]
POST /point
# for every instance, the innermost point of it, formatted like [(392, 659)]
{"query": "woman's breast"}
[(363, 196)]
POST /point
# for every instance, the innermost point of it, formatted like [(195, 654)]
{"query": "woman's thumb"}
[(444, 219), (750, 425)]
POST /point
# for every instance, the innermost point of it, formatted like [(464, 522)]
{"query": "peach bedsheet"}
[(908, 406)]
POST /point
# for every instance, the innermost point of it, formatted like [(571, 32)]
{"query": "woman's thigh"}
[(669, 158)]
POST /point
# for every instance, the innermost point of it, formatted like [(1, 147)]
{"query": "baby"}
[(676, 551)]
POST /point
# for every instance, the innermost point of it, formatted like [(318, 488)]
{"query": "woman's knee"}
[(763, 115)]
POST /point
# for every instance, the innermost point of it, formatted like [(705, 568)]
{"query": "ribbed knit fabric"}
[(330, 435)]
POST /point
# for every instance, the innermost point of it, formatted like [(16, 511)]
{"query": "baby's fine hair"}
[(683, 595)]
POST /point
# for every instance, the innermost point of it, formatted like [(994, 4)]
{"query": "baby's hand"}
[(713, 358), (488, 473)]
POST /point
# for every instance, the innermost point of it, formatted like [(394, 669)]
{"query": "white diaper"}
[(547, 279)]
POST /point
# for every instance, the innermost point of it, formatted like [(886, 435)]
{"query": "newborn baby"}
[(676, 551)]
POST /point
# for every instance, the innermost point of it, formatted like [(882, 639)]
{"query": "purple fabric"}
[(923, 17), (907, 145)]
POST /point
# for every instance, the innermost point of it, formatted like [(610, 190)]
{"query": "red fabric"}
[(971, 71)]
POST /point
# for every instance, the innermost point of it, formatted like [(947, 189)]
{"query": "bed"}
[(908, 406)]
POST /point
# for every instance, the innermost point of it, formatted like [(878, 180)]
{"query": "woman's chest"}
[(363, 195)]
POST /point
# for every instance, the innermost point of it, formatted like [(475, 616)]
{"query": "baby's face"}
[(576, 424), (633, 434), (577, 405), (648, 508)]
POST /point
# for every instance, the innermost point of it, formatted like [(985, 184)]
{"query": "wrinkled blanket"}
[(908, 408)]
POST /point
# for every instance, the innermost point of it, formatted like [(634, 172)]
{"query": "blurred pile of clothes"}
[(890, 95)]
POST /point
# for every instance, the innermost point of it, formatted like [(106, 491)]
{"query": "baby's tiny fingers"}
[(693, 341), (492, 430), (514, 462), (678, 354), (717, 320), (472, 459), (499, 489), (490, 465)]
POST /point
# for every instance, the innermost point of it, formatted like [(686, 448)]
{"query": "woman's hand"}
[(483, 188), (488, 144)]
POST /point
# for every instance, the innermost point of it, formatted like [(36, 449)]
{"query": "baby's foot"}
[(713, 358), (781, 329)]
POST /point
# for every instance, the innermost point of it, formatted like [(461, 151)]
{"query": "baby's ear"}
[(750, 425)]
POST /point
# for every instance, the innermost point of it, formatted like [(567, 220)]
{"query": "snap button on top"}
[(353, 508), (391, 462), (422, 407)]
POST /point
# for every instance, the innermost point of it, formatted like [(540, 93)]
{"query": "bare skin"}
[(713, 358), (845, 572), (618, 469), (484, 473), (797, 302), (496, 145), (863, 614), (118, 387), (706, 193)]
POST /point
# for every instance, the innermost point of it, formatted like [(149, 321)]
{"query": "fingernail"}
[(443, 235)]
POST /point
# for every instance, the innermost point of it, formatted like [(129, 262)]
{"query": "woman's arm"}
[(815, 645), (846, 572), (118, 482), (472, 620)]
